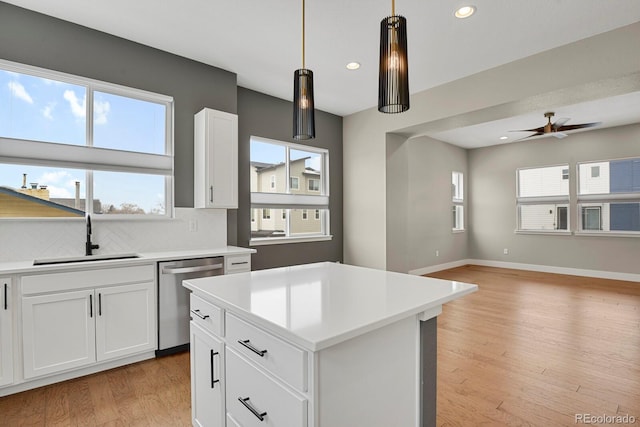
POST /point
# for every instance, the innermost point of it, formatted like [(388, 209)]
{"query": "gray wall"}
[(39, 40), (268, 117), (492, 212), (419, 217)]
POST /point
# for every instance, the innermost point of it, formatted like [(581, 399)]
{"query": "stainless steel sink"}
[(89, 258)]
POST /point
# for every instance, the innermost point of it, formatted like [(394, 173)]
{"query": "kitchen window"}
[(71, 146), (457, 197), (543, 199), (609, 197), (307, 188)]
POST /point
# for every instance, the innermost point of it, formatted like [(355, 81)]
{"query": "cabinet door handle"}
[(213, 381), (90, 305), (240, 263), (249, 406), (247, 344), (99, 304), (211, 194), (6, 307), (197, 313)]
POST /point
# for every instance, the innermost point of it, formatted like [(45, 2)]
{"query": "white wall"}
[(38, 238), (563, 76)]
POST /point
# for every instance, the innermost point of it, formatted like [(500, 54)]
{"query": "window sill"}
[(607, 234), (286, 240), (547, 232)]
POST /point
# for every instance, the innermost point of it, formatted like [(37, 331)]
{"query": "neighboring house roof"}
[(35, 200), (71, 203), (262, 167)]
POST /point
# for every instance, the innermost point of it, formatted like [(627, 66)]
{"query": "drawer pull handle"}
[(240, 263), (247, 344), (213, 382), (197, 313), (250, 407), (6, 306)]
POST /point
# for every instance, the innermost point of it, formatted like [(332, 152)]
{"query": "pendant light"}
[(393, 79), (303, 109)]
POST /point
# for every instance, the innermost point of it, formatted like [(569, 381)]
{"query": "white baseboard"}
[(600, 274)]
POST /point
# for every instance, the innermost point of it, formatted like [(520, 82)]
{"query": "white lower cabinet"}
[(6, 339), (208, 380), (67, 330), (58, 332)]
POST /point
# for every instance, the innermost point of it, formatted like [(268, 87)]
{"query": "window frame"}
[(88, 158), (457, 199), (553, 202), (587, 200), (290, 200)]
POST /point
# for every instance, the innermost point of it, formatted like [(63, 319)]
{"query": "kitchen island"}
[(316, 345)]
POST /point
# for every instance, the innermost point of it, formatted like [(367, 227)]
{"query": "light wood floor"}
[(526, 349), (536, 349)]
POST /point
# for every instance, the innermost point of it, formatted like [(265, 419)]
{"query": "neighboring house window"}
[(543, 199), (314, 185), (609, 196), (294, 183), (457, 195), (72, 146), (270, 159), (273, 182), (266, 214), (565, 173)]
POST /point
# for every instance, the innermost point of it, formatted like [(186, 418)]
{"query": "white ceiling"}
[(260, 41)]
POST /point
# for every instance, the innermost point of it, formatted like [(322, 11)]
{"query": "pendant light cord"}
[(302, 33), (393, 7)]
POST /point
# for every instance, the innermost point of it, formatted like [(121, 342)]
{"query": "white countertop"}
[(319, 305), (20, 267)]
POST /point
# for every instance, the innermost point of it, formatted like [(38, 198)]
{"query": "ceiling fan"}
[(555, 129)]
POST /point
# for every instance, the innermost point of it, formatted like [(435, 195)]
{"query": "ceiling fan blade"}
[(560, 122), (540, 129), (527, 137), (559, 135), (578, 126)]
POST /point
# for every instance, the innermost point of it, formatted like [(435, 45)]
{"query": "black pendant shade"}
[(304, 126), (393, 79)]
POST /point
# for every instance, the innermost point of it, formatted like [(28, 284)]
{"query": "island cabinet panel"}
[(282, 359), (208, 378), (254, 398), (6, 338)]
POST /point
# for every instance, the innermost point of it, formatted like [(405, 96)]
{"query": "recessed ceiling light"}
[(353, 65), (504, 137), (465, 12)]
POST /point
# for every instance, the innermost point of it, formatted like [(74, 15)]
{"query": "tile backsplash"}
[(190, 229)]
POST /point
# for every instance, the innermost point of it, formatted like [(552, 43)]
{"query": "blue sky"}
[(45, 110)]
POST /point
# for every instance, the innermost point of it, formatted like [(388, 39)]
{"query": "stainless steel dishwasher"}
[(173, 299)]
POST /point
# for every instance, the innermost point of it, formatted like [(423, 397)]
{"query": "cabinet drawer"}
[(282, 359), (237, 264), (252, 394), (207, 315)]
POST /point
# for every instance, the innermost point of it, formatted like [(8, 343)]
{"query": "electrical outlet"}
[(505, 251), (437, 252), (193, 225)]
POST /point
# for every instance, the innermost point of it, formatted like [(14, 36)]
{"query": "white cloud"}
[(19, 92), (59, 192), (100, 111), (48, 110), (55, 177), (79, 109)]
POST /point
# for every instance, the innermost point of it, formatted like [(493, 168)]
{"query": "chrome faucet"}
[(89, 246)]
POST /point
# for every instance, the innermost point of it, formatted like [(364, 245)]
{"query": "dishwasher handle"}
[(183, 270)]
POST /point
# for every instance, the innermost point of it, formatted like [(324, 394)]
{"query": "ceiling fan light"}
[(393, 77), (303, 105)]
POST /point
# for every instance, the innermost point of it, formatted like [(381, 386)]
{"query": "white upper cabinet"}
[(6, 347), (215, 160)]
